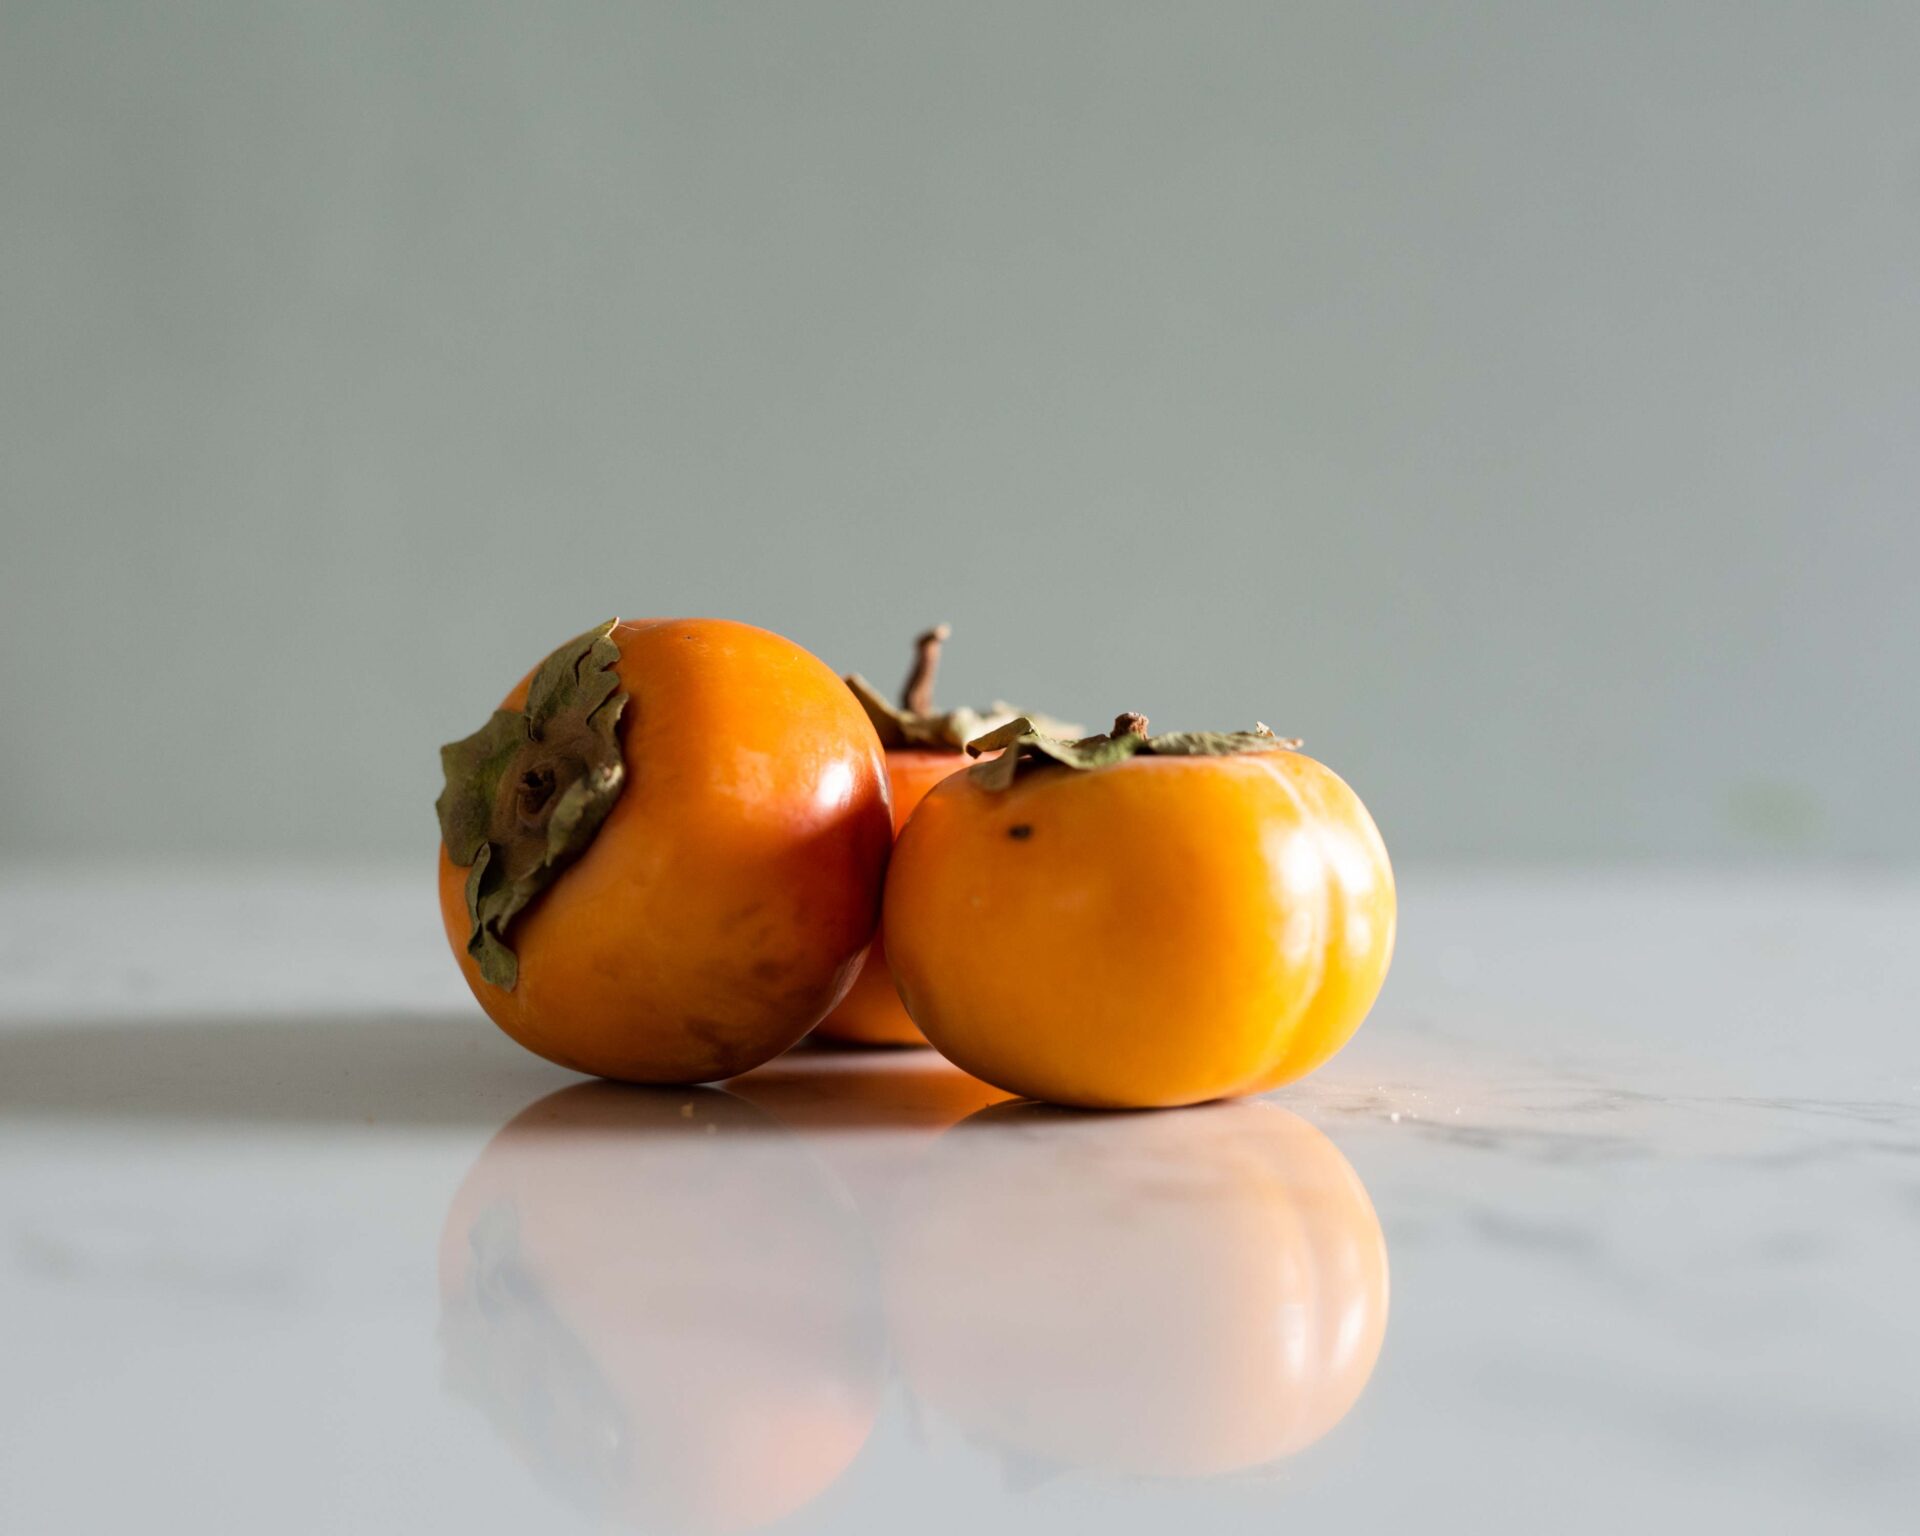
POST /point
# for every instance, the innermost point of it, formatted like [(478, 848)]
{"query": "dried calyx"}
[(527, 791), (1024, 745), (912, 723)]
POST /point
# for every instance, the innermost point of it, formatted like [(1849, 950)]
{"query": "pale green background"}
[(1521, 401)]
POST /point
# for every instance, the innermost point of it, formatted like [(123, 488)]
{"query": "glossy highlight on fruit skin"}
[(871, 1013), (1165, 1296), (726, 902), (1161, 931)]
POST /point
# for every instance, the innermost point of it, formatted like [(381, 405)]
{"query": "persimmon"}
[(1129, 921), (1180, 1296), (923, 747), (661, 859), (665, 1306)]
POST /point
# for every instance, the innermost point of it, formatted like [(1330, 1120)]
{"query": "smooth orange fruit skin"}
[(725, 903), (871, 1013), (1176, 1296), (1164, 931), (665, 1305)]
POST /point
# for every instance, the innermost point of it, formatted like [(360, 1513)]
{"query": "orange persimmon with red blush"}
[(1131, 922), (662, 857), (923, 747)]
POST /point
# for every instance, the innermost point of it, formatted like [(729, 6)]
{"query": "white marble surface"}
[(1644, 1151)]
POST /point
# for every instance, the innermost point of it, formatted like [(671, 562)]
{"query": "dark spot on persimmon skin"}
[(725, 1054), (720, 1041), (1020, 833), (769, 970)]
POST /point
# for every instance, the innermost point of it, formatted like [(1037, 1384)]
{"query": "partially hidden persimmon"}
[(1176, 1296), (665, 1306), (662, 857), (923, 747), (1128, 921)]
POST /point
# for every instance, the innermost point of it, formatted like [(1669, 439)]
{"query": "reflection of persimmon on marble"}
[(1182, 1294), (873, 1111), (665, 1306)]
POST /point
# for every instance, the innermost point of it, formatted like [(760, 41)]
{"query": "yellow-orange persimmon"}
[(1126, 922), (671, 842), (1177, 1296), (665, 1306), (923, 747)]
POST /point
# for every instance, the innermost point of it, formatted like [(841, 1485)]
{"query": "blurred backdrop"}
[(1518, 401)]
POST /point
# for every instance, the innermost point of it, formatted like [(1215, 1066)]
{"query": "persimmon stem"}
[(1129, 724), (534, 793), (917, 697)]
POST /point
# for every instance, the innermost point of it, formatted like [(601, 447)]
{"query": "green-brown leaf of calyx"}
[(1022, 745), (913, 722), (526, 793)]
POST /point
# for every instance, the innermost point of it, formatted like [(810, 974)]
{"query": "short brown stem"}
[(917, 697), (1129, 724)]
